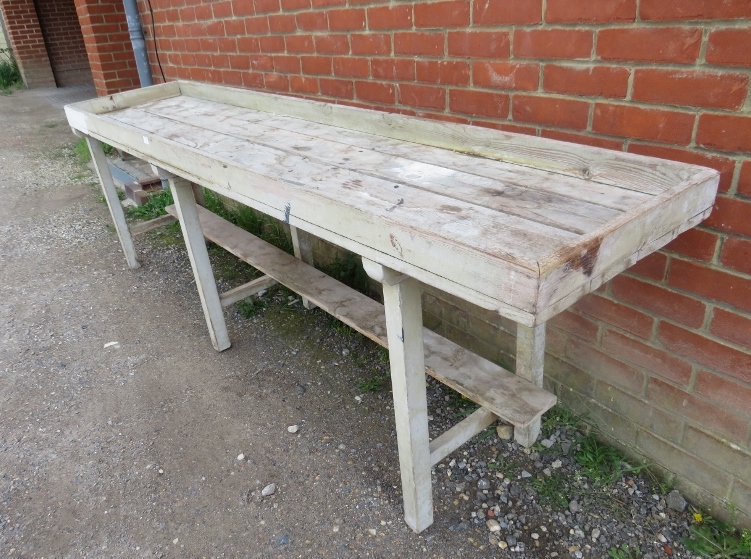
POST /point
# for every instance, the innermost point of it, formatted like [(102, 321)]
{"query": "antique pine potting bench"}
[(520, 225)]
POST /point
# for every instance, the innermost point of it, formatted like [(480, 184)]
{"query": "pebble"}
[(556, 464), (526, 474), (595, 534), (502, 544), (483, 484), (676, 501), (573, 506), (493, 525), (293, 429), (269, 490), (505, 432), (241, 456), (345, 352), (547, 443)]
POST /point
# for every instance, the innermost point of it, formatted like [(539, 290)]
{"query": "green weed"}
[(10, 75), (714, 539), (251, 307), (84, 155), (550, 491), (603, 463), (625, 551), (349, 271), (153, 208), (376, 382)]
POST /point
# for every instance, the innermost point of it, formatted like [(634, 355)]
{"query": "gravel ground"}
[(124, 434)]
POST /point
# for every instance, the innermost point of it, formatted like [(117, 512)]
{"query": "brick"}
[(736, 254), (442, 71), (604, 366), (340, 89), (660, 10), (720, 90), (506, 75), (312, 21), (331, 44), (418, 44), (351, 67), (615, 314), (576, 325), (730, 47), (658, 300), (679, 461), (732, 327), (705, 413), (724, 132), (327, 3), (261, 62), (586, 11), (351, 19), (395, 69), (286, 64), (390, 17), (644, 124), (266, 6), (479, 44), (721, 390), (553, 43), (278, 82), (650, 44), (744, 180), (273, 43), (282, 23), (574, 138), (293, 5), (507, 12), (303, 84), (299, 44), (376, 92), (479, 103), (454, 13), (711, 283), (320, 65), (706, 352), (422, 96), (599, 81), (730, 215), (654, 360), (371, 43), (549, 111), (663, 424), (694, 243), (724, 165)]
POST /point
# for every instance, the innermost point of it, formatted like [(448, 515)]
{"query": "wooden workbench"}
[(520, 225)]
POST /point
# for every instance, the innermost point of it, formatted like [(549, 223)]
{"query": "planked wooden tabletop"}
[(518, 224)]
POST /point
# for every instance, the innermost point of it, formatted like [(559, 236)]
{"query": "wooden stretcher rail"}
[(508, 396)]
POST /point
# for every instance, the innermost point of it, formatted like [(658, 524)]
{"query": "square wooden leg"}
[(402, 300), (113, 202), (530, 362), (187, 212), (301, 244)]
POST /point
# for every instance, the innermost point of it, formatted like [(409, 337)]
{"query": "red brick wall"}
[(62, 34), (661, 356), (27, 42), (105, 33)]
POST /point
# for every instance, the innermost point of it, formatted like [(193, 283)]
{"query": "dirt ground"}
[(131, 450)]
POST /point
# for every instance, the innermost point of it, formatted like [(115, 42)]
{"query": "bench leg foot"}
[(187, 212), (402, 299), (113, 202), (530, 361)]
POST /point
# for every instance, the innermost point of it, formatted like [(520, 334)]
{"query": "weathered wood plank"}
[(113, 202), (595, 164), (246, 290), (144, 227), (510, 397), (448, 442)]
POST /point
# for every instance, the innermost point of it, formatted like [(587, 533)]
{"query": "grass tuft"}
[(10, 75)]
